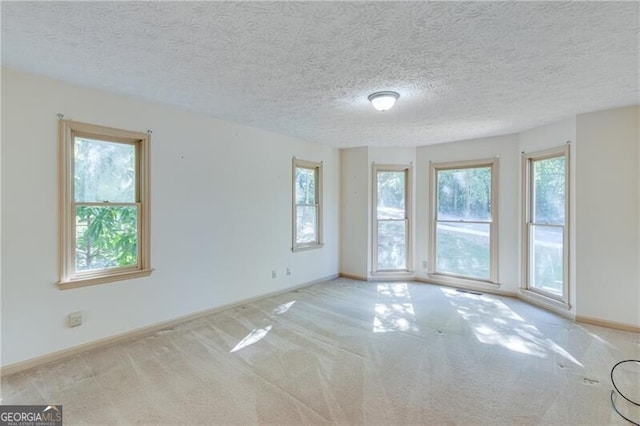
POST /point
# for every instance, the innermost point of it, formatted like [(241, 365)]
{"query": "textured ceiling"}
[(463, 70)]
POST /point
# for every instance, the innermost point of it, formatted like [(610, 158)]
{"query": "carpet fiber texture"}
[(350, 352)]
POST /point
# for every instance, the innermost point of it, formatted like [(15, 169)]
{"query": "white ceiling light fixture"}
[(383, 101)]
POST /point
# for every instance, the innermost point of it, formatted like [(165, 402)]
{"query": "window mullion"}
[(484, 222), (105, 203), (551, 225)]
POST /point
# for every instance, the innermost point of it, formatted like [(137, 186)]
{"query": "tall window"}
[(104, 197), (545, 230), (307, 205), (463, 237), (391, 228)]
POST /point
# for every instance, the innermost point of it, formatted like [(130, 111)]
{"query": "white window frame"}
[(69, 276), (317, 168), (408, 173), (447, 278), (528, 160)]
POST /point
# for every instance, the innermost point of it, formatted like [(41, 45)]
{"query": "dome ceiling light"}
[(383, 101)]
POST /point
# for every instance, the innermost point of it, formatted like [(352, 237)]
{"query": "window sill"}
[(460, 281), (546, 301), (393, 273), (388, 276), (84, 282), (307, 247)]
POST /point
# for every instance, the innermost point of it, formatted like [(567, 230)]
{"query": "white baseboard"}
[(608, 324), (140, 332), (353, 276)]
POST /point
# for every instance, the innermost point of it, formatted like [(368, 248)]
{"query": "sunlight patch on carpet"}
[(494, 323), (394, 310), (255, 336)]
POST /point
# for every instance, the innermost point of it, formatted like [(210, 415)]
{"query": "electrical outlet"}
[(425, 264), (75, 319), (274, 274), (288, 272)]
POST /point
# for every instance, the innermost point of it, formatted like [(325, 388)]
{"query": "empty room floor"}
[(349, 352)]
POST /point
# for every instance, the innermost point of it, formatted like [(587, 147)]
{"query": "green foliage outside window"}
[(464, 194), (106, 237)]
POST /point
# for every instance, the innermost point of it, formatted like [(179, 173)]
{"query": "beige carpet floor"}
[(350, 352)]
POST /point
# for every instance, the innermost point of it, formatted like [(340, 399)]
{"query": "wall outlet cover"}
[(75, 319)]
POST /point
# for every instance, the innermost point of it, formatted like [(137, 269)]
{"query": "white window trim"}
[(319, 243), (454, 279), (408, 170), (69, 277), (537, 294)]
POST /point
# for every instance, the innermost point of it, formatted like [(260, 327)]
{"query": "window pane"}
[(392, 245), (549, 191), (106, 237), (546, 269), (391, 195), (463, 249), (306, 224), (104, 171), (305, 186), (464, 194)]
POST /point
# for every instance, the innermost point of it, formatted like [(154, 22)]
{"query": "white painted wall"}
[(1, 214), (354, 215), (608, 215), (504, 147), (397, 156), (221, 217)]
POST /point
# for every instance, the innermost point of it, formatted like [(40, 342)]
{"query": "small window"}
[(392, 224), (307, 205), (104, 197), (546, 240), (463, 237)]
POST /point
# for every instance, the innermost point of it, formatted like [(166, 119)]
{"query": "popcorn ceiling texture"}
[(463, 70)]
